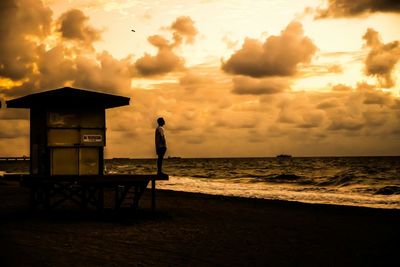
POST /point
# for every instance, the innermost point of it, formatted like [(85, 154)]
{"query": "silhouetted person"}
[(161, 145)]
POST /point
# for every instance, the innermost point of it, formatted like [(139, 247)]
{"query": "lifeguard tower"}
[(67, 140)]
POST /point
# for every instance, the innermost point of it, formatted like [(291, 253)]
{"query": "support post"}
[(153, 195), (33, 196), (84, 192), (47, 197), (100, 198)]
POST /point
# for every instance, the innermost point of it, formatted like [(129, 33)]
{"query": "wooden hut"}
[(67, 140)]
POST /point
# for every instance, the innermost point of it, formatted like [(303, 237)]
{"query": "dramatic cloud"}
[(382, 58), (278, 56), (166, 60), (73, 25), (245, 85), (42, 66), (348, 8), (22, 22)]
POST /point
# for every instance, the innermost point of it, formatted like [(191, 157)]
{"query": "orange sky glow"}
[(231, 78)]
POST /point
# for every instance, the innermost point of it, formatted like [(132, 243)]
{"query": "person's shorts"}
[(161, 151)]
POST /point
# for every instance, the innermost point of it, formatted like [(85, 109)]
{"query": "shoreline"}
[(274, 201)]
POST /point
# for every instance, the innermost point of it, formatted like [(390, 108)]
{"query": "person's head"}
[(160, 121)]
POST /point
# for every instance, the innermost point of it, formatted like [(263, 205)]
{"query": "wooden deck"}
[(87, 190)]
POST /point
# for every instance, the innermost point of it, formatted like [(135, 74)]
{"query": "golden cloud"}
[(166, 60), (382, 58), (183, 27), (277, 56)]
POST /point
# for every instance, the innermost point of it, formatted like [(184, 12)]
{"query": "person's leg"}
[(160, 154), (159, 162)]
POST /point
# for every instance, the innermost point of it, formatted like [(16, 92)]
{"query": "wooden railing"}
[(23, 158)]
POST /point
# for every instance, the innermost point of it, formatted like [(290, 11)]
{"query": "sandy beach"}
[(196, 230)]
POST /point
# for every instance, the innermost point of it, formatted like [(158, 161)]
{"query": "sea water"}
[(354, 181)]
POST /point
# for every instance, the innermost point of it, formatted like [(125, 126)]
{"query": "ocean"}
[(354, 181)]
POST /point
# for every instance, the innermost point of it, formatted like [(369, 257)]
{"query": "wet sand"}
[(197, 230)]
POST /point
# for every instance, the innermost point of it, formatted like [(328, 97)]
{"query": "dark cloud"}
[(349, 8), (73, 25), (278, 56), (62, 64), (19, 20), (382, 58), (243, 85), (105, 73)]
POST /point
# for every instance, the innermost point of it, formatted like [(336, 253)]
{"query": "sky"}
[(231, 78)]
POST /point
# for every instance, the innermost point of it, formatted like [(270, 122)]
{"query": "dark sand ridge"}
[(197, 230)]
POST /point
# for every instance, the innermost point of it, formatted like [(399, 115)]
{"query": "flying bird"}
[(133, 30)]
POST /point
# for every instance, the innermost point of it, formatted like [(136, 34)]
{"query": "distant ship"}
[(284, 156), (170, 157)]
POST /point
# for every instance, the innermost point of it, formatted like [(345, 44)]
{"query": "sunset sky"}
[(231, 78)]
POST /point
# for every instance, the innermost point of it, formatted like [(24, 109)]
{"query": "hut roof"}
[(68, 97)]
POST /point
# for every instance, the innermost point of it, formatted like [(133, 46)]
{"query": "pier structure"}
[(67, 140)]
